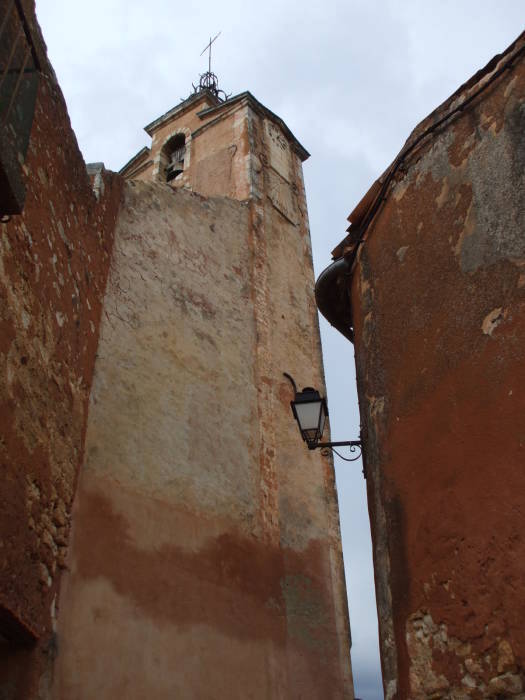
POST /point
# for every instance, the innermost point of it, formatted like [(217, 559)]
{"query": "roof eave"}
[(135, 160), (179, 109)]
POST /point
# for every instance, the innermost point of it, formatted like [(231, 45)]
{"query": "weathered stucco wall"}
[(220, 153), (438, 297), (205, 546), (54, 260), (217, 150)]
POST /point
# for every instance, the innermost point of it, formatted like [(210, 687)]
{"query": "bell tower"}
[(229, 146), (206, 556)]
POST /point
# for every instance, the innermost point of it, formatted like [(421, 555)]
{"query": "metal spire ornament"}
[(208, 81)]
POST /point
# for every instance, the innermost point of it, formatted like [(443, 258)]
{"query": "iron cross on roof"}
[(208, 47)]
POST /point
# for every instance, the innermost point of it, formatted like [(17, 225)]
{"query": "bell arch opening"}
[(173, 155)]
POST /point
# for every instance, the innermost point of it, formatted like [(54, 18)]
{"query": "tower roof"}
[(213, 105)]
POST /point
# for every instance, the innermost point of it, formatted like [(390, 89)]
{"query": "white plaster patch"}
[(400, 189), (377, 405), (401, 252), (443, 195), (492, 321), (26, 318), (510, 86)]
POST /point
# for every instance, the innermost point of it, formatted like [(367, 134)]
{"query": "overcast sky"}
[(350, 78)]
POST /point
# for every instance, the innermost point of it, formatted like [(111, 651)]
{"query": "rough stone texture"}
[(206, 544), (438, 296), (54, 261)]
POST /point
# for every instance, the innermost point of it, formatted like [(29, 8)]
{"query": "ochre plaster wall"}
[(54, 261), (206, 553), (221, 156), (217, 152), (438, 296)]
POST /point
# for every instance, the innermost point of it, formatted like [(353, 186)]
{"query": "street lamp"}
[(310, 410)]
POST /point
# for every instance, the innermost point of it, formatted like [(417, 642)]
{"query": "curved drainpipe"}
[(332, 296)]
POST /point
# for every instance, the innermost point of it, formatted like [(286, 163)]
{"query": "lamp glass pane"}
[(308, 415), (321, 423)]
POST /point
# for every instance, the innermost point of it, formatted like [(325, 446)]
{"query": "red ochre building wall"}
[(438, 298), (54, 261)]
